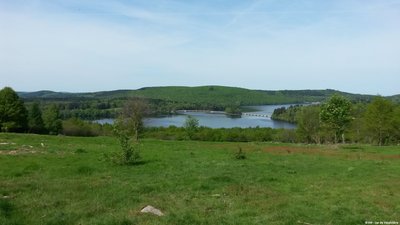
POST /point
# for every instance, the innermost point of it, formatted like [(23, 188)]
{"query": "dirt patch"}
[(298, 150), (286, 150), (19, 152)]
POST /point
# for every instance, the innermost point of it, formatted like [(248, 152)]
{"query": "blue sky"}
[(92, 45)]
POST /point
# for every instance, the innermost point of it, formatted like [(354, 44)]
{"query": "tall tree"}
[(35, 120), (378, 119), (335, 116), (13, 114), (396, 124), (52, 119), (308, 124), (357, 122)]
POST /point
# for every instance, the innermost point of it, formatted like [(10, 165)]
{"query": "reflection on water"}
[(220, 120)]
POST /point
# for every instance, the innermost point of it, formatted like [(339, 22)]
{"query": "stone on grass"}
[(152, 210)]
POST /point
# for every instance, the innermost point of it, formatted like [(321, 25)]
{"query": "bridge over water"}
[(253, 114), (201, 111)]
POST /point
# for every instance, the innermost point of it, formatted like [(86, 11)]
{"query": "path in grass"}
[(63, 180)]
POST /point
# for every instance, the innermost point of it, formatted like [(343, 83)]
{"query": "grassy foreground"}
[(63, 180)]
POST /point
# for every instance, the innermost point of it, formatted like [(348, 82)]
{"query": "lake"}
[(220, 120)]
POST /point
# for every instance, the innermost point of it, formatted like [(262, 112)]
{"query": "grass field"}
[(64, 180)]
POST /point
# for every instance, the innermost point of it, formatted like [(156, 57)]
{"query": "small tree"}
[(13, 114), (130, 149), (191, 126), (335, 116), (127, 129), (35, 120), (131, 118), (52, 119)]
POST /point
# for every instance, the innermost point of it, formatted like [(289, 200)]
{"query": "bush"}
[(219, 134), (129, 144), (77, 127), (240, 154)]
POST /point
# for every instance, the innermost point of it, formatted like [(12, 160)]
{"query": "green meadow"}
[(56, 180)]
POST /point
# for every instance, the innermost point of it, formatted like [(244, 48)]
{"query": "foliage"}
[(308, 124), (287, 114), (13, 114), (222, 134), (35, 120), (130, 154), (77, 127), (52, 120), (396, 125), (357, 128), (131, 118), (191, 126), (335, 115), (127, 128), (378, 120), (233, 109)]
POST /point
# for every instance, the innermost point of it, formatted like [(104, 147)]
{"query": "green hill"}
[(395, 98), (46, 94), (216, 95)]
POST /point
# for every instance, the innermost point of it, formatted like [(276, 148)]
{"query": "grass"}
[(64, 180)]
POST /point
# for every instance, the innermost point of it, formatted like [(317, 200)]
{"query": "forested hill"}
[(216, 95), (395, 98)]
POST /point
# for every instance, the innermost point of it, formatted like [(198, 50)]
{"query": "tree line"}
[(336, 120), (340, 120), (15, 117)]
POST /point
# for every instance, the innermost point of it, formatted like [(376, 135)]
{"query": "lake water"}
[(220, 120)]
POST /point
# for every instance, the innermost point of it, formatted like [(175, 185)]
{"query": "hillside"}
[(216, 95), (47, 94), (395, 98)]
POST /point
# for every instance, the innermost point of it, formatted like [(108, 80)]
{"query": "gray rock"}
[(152, 210)]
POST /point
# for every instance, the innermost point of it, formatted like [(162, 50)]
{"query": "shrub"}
[(240, 154), (129, 145)]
